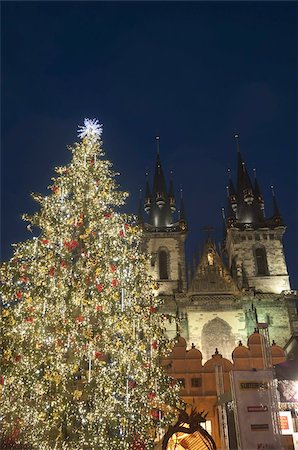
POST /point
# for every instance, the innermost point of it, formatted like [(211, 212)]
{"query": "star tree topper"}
[(91, 128)]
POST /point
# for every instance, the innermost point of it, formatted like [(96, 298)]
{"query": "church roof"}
[(211, 275), (160, 203), (246, 203)]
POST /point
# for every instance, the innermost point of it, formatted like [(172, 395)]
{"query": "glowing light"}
[(91, 128)]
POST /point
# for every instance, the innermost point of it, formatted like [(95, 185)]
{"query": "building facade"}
[(229, 291)]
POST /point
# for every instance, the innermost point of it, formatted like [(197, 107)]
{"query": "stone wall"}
[(241, 246)]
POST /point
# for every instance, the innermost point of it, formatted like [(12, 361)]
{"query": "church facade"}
[(230, 291)]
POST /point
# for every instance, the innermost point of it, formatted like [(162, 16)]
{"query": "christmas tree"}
[(82, 338)]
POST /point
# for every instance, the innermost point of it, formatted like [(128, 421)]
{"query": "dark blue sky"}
[(190, 72)]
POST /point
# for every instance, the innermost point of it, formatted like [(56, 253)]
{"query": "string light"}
[(82, 341)]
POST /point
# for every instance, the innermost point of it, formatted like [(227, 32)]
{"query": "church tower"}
[(164, 233), (253, 242)]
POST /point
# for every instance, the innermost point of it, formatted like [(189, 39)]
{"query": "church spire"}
[(147, 204), (244, 186), (157, 201), (182, 216), (140, 210), (171, 194), (257, 193), (159, 184), (232, 192), (276, 213)]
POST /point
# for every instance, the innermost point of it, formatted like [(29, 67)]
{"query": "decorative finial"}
[(229, 173), (157, 144), (91, 129), (272, 190), (236, 136), (140, 193), (255, 173), (228, 191), (181, 191), (223, 213)]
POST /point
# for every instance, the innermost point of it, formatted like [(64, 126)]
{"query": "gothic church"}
[(231, 291)]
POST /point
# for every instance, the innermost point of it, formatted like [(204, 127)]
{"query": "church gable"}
[(211, 275)]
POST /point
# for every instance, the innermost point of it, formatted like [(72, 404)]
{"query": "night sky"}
[(189, 72)]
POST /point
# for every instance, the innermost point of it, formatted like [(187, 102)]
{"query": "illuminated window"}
[(163, 265), (261, 261)]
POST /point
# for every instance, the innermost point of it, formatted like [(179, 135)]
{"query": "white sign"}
[(251, 393)]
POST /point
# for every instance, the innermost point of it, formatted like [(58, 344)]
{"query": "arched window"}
[(261, 261), (163, 265)]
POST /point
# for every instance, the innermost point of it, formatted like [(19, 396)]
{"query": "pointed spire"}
[(159, 185), (276, 213), (257, 192), (244, 186), (232, 192), (160, 214), (140, 210), (147, 204), (231, 218), (182, 217), (157, 145), (181, 209), (171, 194)]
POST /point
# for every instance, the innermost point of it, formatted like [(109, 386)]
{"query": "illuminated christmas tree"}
[(82, 337)]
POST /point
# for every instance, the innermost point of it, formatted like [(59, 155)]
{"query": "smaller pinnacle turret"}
[(171, 194), (147, 203), (257, 192), (140, 210), (276, 213)]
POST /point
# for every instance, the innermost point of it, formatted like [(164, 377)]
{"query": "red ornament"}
[(156, 414), (98, 355), (99, 308), (25, 280), (151, 395), (71, 245), (44, 241), (113, 268), (52, 271), (121, 234), (19, 294), (79, 319), (99, 287), (18, 358), (152, 309), (108, 215), (114, 282), (126, 226), (29, 319), (2, 380), (55, 188), (63, 263), (154, 345), (138, 444), (88, 280), (132, 384)]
